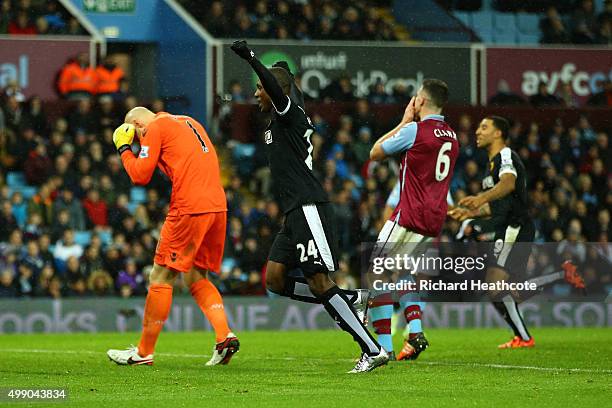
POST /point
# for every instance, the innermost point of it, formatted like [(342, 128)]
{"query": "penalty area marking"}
[(429, 363)]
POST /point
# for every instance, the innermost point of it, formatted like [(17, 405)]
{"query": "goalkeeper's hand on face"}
[(123, 137), (241, 48)]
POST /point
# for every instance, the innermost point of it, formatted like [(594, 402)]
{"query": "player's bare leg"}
[(209, 300), (157, 308), (276, 274)]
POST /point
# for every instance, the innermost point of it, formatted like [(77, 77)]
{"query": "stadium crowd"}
[(562, 22), (290, 19), (75, 226), (37, 17)]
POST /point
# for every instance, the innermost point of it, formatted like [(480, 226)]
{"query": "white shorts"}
[(394, 240)]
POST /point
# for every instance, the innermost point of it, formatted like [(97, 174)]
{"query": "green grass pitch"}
[(568, 367)]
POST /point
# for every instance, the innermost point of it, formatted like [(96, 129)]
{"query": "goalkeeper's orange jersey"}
[(181, 148)]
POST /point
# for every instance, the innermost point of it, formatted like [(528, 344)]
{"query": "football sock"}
[(341, 310), (209, 300), (411, 307), (297, 288), (407, 329), (516, 317), (157, 308), (544, 280), (412, 313), (381, 320), (509, 311)]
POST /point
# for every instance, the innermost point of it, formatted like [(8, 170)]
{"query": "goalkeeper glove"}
[(242, 49), (123, 136)]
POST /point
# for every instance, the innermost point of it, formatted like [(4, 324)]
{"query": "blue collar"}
[(434, 117)]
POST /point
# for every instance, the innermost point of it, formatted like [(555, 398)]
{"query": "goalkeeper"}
[(193, 235)]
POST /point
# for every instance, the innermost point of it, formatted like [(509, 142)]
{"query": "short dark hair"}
[(283, 77), (500, 124), (437, 91)]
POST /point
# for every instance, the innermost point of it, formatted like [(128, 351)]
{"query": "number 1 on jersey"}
[(195, 131)]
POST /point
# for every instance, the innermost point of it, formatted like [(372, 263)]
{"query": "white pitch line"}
[(515, 367), (430, 363)]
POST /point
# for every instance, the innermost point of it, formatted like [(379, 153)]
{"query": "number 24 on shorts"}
[(305, 253)]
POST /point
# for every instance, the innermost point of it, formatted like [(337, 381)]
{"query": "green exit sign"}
[(109, 6)]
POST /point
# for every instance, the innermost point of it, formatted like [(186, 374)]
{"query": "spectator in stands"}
[(19, 209), (352, 21), (66, 201), (215, 21), (607, 11), (35, 117), (66, 247), (13, 114), (25, 280), (378, 94), (55, 289), (362, 146), (91, 261), (604, 31), (105, 114), (83, 119), (339, 90), (21, 25), (38, 166), (74, 27), (32, 258), (13, 89), (158, 105), (108, 76), (42, 26), (505, 97), (96, 209), (282, 14), (44, 243), (100, 283), (107, 190), (131, 278), (262, 29), (326, 30), (363, 116), (604, 97), (543, 98), (6, 15), (77, 78), (236, 93), (42, 204), (584, 23), (54, 17), (244, 27), (44, 280), (34, 227), (7, 284), (60, 224), (552, 28), (400, 93)]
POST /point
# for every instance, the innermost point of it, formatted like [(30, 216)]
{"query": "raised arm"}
[(268, 81), (139, 169), (404, 135)]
